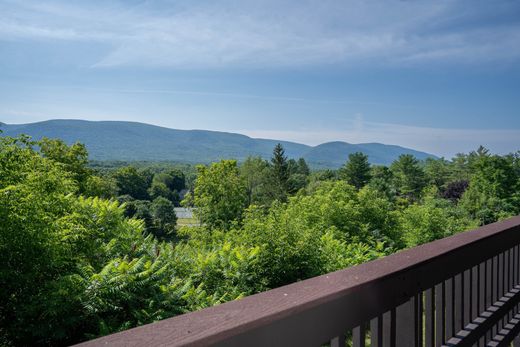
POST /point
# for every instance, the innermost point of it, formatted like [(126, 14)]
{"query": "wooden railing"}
[(463, 290)]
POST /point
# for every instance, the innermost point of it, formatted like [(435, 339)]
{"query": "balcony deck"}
[(463, 290)]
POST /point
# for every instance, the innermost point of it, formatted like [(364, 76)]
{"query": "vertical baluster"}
[(507, 277), (418, 305), (358, 336), (440, 314), (516, 268), (500, 284), (389, 328), (450, 314), (406, 324), (466, 297), (512, 277), (338, 341), (376, 332), (494, 287), (481, 294), (475, 292), (429, 317), (458, 306), (506, 271), (488, 293), (494, 279), (517, 264)]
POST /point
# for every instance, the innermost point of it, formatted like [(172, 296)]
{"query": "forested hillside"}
[(88, 252), (131, 141)]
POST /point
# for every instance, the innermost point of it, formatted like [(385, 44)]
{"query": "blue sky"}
[(439, 76)]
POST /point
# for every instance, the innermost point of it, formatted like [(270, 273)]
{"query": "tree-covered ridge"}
[(131, 141), (88, 252)]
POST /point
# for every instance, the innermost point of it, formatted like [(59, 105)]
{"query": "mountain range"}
[(132, 141)]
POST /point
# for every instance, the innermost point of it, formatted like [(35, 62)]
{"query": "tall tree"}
[(408, 176), (356, 170), (493, 190), (255, 172), (163, 218), (51, 237), (381, 181), (303, 168), (437, 172), (220, 194), (280, 172)]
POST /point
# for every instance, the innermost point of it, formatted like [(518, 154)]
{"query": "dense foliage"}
[(87, 252)]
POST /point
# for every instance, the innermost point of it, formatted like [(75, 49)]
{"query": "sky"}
[(439, 76)]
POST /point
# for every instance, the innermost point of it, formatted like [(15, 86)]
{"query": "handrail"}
[(425, 295)]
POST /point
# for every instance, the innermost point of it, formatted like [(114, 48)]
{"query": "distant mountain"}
[(131, 141)]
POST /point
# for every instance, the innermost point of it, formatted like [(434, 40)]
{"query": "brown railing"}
[(463, 290)]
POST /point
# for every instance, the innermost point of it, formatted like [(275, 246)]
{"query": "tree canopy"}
[(107, 251), (356, 170)]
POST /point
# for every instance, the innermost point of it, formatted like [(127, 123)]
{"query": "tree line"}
[(88, 252)]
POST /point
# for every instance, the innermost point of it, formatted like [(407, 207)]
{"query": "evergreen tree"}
[(356, 170), (409, 177), (280, 173), (303, 168)]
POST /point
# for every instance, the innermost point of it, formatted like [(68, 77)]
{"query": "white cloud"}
[(272, 33)]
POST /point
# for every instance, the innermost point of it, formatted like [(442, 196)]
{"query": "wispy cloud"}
[(440, 141), (280, 33)]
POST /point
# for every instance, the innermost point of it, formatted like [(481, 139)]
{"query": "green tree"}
[(298, 173), (356, 170), (74, 158), (493, 190), (48, 235), (408, 176), (177, 180), (163, 218), (460, 168), (327, 229), (437, 172), (101, 186), (220, 194), (255, 172), (132, 182), (167, 184), (160, 189), (296, 182), (432, 220), (303, 168), (280, 173), (382, 181)]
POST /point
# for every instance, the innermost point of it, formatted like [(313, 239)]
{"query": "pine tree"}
[(409, 177), (303, 168), (356, 170), (280, 172)]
